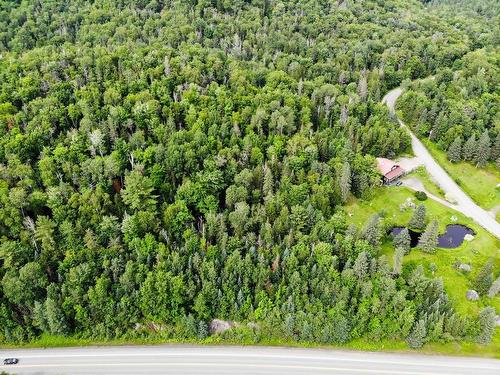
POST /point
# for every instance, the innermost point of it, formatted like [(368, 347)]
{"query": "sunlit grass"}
[(479, 183), (428, 182), (387, 201)]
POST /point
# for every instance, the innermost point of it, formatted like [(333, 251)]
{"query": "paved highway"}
[(464, 203), (194, 360)]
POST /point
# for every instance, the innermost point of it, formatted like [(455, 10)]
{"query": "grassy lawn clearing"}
[(484, 246), (428, 182), (479, 183), (387, 202)]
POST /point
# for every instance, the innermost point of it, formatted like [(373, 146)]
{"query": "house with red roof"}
[(389, 170)]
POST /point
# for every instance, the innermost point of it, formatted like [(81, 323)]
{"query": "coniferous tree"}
[(267, 186), (429, 239), (483, 150), (455, 325), (363, 85), (416, 339), (436, 130), (402, 240), (495, 150), (345, 181), (484, 278), (495, 288), (422, 121), (55, 317), (399, 254), (202, 332), (486, 321), (361, 265), (372, 232), (470, 148), (418, 218), (455, 150), (39, 317)]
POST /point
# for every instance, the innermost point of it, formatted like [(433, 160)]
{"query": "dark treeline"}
[(165, 163)]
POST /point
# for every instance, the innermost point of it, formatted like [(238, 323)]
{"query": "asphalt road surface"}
[(170, 359), (464, 203)]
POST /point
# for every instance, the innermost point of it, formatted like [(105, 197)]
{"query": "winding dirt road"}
[(464, 203)]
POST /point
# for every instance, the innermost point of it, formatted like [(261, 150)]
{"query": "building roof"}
[(395, 173), (385, 165), (389, 168)]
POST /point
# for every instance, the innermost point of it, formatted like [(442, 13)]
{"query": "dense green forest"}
[(165, 163), (459, 109)]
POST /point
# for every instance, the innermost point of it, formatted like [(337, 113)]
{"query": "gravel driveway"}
[(464, 203)]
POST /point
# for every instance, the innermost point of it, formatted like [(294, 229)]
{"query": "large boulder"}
[(464, 267), (468, 237), (472, 295), (219, 326)]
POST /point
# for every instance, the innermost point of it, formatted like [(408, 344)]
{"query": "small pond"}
[(454, 236), (451, 239), (414, 236)]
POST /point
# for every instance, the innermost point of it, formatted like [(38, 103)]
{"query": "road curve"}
[(194, 360), (464, 203)]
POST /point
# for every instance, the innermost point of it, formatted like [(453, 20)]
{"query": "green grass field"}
[(387, 201), (427, 181), (479, 183)]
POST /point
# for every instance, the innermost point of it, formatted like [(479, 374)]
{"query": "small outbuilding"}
[(389, 170)]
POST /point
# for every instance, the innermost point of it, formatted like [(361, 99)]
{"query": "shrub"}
[(421, 195)]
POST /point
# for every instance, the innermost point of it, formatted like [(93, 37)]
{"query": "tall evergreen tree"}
[(418, 218), (372, 232), (345, 181), (495, 150), (268, 184), (486, 321), (416, 339), (470, 148), (361, 265), (455, 150), (494, 288), (403, 240), (363, 85), (202, 330), (429, 239), (398, 260), (422, 121), (437, 128), (483, 150), (484, 278)]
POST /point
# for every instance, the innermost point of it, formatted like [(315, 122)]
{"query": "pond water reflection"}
[(451, 239)]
